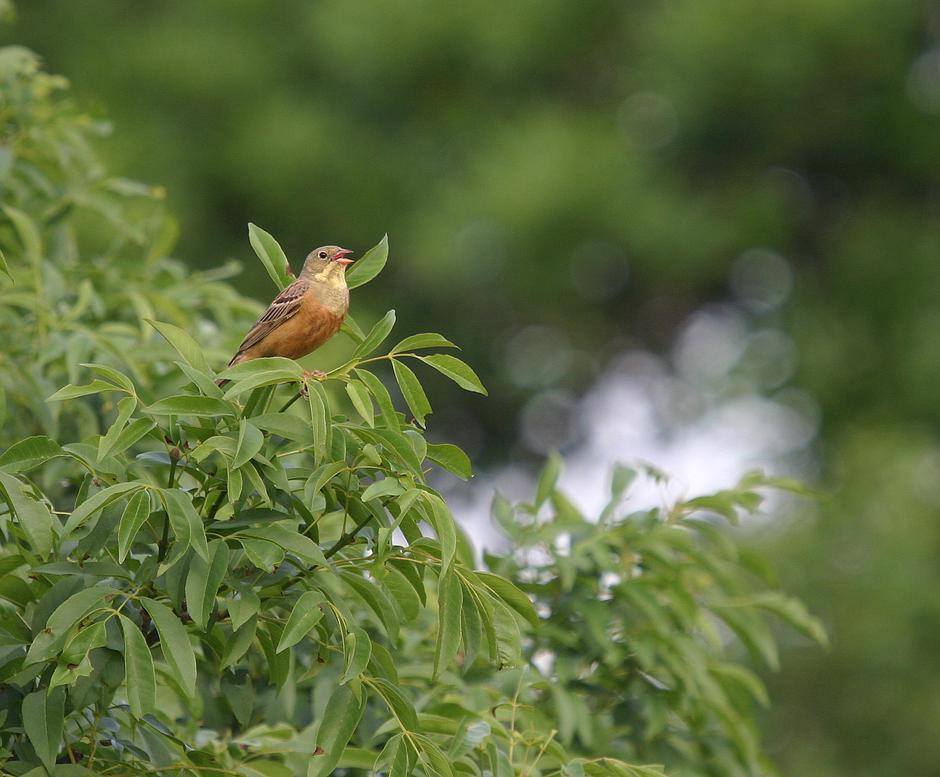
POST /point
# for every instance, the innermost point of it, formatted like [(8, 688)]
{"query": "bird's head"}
[(327, 263)]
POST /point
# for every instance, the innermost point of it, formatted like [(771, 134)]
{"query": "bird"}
[(305, 314)]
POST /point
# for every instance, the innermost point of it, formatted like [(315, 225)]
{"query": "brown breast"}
[(303, 332), (318, 322)]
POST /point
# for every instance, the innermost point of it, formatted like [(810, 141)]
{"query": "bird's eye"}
[(322, 254)]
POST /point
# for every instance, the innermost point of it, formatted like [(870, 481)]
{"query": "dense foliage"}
[(600, 170), (93, 263), (257, 579)]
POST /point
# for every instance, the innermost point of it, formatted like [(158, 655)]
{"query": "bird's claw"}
[(308, 374)]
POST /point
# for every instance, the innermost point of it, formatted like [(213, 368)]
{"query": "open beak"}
[(342, 256)]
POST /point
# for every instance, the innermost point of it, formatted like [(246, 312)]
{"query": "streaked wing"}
[(285, 306)]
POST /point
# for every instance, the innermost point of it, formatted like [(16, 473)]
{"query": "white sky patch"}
[(640, 410)]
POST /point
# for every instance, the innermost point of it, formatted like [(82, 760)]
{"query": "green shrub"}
[(91, 264), (642, 616), (258, 580)]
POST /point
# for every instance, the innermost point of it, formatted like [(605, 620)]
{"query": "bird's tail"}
[(234, 360)]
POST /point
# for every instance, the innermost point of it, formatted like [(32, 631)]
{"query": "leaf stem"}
[(290, 402), (217, 504), (164, 540), (347, 537)]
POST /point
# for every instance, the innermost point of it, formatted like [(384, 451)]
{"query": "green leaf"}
[(223, 444), (185, 521), (257, 482), (290, 540), (79, 605), (384, 487), (284, 425), (450, 602), (321, 476), (456, 370), (95, 387), (240, 695), (451, 458), (412, 391), (264, 555), (96, 503), (278, 665), (423, 340), (260, 767), (376, 336), (505, 590), (377, 601), (548, 479), (202, 381), (125, 408), (175, 644), (32, 514), (134, 516), (271, 255), (357, 650), (396, 446), (305, 614), (393, 758), (184, 404), (320, 422), (793, 611), (69, 673), (508, 638), (28, 233), (339, 722), (621, 480), (240, 641), (138, 670), (31, 452), (471, 627), (131, 434), (266, 371), (203, 581), (119, 379), (43, 716), (740, 677), (434, 761), (389, 417), (397, 702), (370, 265), (440, 518), (4, 268), (93, 636), (402, 591), (183, 343), (250, 442), (243, 606), (234, 482), (351, 329), (359, 395)]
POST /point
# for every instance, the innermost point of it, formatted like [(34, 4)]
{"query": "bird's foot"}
[(308, 374)]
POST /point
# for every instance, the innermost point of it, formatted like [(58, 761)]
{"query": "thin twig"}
[(291, 401), (347, 537), (217, 504), (164, 540)]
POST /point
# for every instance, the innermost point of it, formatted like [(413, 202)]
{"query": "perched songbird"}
[(305, 314)]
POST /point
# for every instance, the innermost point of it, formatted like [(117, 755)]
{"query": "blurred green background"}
[(715, 204)]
